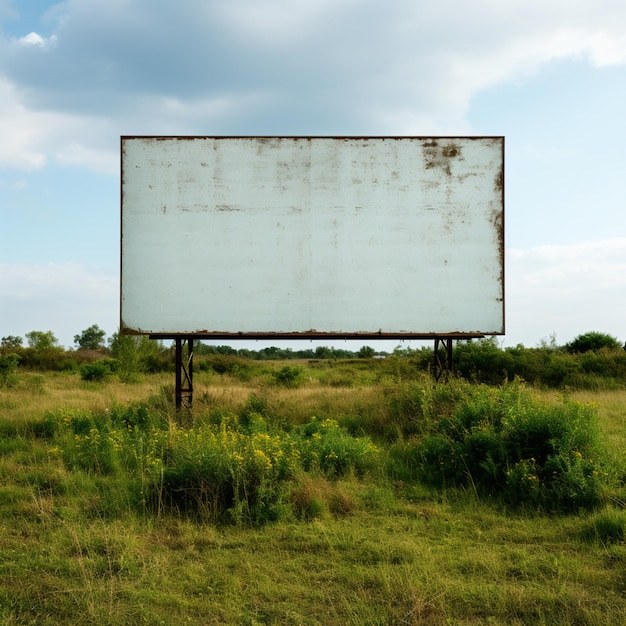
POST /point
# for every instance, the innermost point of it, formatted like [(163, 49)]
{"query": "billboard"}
[(355, 237)]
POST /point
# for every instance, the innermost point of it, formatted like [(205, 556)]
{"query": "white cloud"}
[(31, 138), (93, 159), (65, 298), (321, 65), (33, 281), (567, 290), (274, 20), (21, 145), (34, 39)]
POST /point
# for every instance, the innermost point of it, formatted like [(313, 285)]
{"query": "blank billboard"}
[(312, 236)]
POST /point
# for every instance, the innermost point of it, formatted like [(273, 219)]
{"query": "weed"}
[(291, 376), (500, 441)]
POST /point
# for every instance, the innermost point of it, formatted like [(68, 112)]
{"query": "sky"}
[(549, 75)]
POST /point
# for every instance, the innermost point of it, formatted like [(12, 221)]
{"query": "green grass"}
[(350, 547)]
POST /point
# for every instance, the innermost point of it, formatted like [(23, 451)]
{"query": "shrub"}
[(85, 440), (99, 371), (592, 341), (503, 443), (290, 376), (223, 473), (324, 446), (8, 370), (235, 470), (413, 407), (484, 361)]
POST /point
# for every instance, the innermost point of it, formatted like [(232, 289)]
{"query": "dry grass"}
[(36, 394), (370, 555)]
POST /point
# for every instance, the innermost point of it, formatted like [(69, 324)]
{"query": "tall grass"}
[(314, 504)]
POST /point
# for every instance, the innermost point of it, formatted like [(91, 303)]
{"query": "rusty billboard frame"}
[(443, 148)]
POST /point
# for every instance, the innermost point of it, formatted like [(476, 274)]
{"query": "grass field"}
[(367, 547)]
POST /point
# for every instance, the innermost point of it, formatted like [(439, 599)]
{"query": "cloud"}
[(278, 66), (562, 269), (34, 39), (567, 290), (32, 138), (65, 298)]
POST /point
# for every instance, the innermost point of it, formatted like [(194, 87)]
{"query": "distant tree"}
[(41, 340), (366, 352), (135, 353), (91, 338), (11, 341), (592, 341), (323, 352), (225, 350)]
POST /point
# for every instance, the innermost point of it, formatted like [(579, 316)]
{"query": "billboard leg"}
[(443, 358), (184, 372)]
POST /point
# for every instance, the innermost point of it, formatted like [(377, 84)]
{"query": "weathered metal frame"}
[(443, 363), (184, 371)]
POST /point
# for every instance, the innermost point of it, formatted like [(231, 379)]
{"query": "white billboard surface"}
[(312, 236)]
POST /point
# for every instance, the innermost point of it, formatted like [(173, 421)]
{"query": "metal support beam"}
[(184, 372), (442, 366)]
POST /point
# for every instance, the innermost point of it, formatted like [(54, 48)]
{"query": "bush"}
[(324, 446), (593, 341), (412, 408), (501, 442), (8, 370), (484, 361), (226, 471), (223, 473), (85, 441), (290, 376), (99, 370)]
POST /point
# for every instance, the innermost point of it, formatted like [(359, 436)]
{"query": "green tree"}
[(592, 341), (323, 352), (366, 352), (41, 340), (135, 353), (91, 338), (11, 341)]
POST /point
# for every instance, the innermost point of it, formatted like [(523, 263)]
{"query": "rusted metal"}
[(312, 335), (184, 372), (442, 364)]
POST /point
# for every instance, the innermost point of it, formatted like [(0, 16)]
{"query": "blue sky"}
[(549, 75)]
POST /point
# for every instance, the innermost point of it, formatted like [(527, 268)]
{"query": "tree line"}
[(591, 360)]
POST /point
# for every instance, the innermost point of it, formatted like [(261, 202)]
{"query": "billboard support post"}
[(184, 372), (442, 358)]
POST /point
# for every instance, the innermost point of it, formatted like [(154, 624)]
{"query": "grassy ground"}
[(394, 554)]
